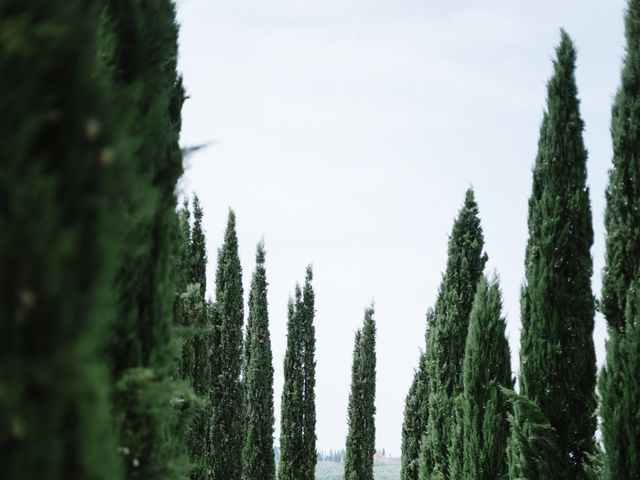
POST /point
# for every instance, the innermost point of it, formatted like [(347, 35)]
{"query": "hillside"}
[(335, 471)]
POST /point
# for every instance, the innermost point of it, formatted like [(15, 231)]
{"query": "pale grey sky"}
[(347, 132)]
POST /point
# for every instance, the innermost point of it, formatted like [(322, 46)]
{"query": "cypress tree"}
[(151, 407), (620, 391), (557, 358), (57, 246), (622, 214), (412, 426), (307, 309), (298, 419), (447, 336), (180, 280), (486, 368), (291, 418), (353, 468), (258, 461), (415, 415), (197, 278), (361, 436), (226, 394), (620, 379)]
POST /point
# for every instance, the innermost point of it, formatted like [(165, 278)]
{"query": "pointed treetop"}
[(260, 252)]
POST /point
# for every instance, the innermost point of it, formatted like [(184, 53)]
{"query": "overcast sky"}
[(346, 133)]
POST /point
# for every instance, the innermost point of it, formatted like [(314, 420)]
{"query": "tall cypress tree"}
[(307, 309), (57, 245), (226, 398), (298, 420), (361, 436), (353, 468), (416, 415), (557, 358), (486, 368), (180, 280), (198, 441), (620, 379), (291, 418), (139, 60), (412, 427), (258, 461), (447, 336)]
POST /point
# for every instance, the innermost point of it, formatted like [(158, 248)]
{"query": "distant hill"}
[(335, 471)]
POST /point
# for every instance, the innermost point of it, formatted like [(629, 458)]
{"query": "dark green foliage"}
[(620, 379), (138, 60), (487, 367), (226, 394), (197, 263), (414, 423), (620, 391), (361, 415), (533, 446), (309, 370), (182, 320), (198, 250), (446, 338), (557, 358), (258, 461), (59, 151), (622, 214), (298, 418)]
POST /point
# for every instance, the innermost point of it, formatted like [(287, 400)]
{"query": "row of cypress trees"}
[(463, 419), (113, 363)]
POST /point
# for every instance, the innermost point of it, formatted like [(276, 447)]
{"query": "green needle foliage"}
[(362, 432), (620, 379), (446, 338), (307, 309), (414, 423), (152, 410), (622, 214), (298, 419), (557, 358), (258, 460), (533, 446), (197, 345), (226, 395), (486, 368), (57, 247), (620, 391)]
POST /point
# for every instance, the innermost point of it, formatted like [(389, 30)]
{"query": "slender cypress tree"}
[(353, 468), (307, 309), (291, 418), (180, 281), (620, 379), (446, 339), (416, 415), (412, 426), (486, 368), (557, 358), (198, 441), (226, 398), (298, 420), (258, 461), (57, 245), (361, 436), (139, 60), (620, 390), (622, 214)]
